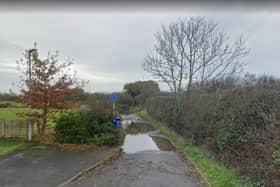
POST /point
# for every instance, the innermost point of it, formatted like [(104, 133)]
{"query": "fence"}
[(13, 129)]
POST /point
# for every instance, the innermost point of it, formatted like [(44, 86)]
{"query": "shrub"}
[(98, 104), (95, 123), (104, 132), (240, 126), (4, 105), (108, 135), (250, 123), (276, 156), (88, 127), (71, 128)]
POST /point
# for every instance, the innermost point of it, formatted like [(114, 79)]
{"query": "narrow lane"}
[(143, 169), (146, 162)]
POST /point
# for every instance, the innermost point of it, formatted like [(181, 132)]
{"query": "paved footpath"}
[(45, 166), (143, 169)]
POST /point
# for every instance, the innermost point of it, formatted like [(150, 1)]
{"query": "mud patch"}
[(163, 144)]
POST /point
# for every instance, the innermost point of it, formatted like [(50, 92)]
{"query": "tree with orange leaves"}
[(51, 83)]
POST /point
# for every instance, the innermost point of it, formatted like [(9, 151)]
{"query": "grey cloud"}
[(109, 47)]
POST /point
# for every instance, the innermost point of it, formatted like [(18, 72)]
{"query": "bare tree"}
[(167, 62), (191, 50)]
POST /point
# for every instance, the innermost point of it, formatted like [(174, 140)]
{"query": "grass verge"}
[(145, 116), (214, 173), (7, 146)]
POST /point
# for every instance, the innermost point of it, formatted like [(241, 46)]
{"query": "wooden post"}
[(114, 108), (2, 128), (27, 125)]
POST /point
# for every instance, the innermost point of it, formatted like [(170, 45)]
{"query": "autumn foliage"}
[(52, 82)]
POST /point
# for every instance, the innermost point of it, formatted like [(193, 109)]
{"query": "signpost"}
[(30, 125), (113, 98)]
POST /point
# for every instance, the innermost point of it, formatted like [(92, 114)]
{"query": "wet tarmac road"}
[(45, 166), (143, 169), (148, 161)]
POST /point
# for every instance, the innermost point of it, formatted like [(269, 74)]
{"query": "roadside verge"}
[(214, 173), (13, 149)]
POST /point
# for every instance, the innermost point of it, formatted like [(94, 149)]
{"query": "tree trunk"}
[(189, 85), (38, 128), (44, 123)]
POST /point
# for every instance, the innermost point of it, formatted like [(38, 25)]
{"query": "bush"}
[(108, 135), (95, 123), (99, 104), (71, 128), (276, 156), (4, 105), (101, 129), (240, 126), (88, 127)]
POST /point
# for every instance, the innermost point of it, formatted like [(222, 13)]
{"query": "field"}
[(11, 113), (11, 104), (18, 124)]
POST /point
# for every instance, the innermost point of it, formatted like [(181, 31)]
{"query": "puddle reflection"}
[(137, 139), (140, 142)]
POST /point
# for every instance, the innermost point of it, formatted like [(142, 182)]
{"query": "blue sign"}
[(114, 97), (117, 122)]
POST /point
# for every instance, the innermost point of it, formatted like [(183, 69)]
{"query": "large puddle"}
[(140, 142), (138, 139)]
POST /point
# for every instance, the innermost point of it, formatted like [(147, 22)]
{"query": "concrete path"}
[(143, 169), (45, 166)]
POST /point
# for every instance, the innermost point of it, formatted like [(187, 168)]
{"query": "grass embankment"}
[(8, 145), (213, 172)]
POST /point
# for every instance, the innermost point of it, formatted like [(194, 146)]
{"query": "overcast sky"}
[(108, 47)]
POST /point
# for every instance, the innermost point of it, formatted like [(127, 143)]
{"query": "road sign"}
[(114, 97)]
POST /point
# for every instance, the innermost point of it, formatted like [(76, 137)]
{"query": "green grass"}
[(12, 103), (144, 115), (7, 145), (215, 173), (11, 114), (134, 110)]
